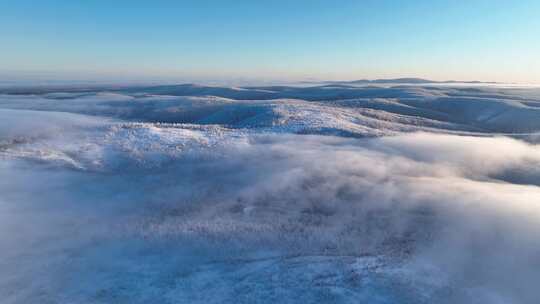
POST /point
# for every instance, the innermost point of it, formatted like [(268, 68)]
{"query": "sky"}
[(266, 40)]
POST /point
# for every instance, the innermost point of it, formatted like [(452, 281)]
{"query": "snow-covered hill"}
[(338, 110), (327, 194)]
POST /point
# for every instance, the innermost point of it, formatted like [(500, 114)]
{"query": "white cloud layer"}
[(94, 210)]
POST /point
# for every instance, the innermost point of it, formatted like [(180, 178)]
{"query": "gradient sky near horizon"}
[(289, 40)]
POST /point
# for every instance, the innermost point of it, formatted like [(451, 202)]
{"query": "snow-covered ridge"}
[(336, 110), (381, 195)]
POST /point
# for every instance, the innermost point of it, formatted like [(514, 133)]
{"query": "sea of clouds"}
[(99, 210)]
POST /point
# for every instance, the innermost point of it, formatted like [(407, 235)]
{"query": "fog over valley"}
[(314, 193)]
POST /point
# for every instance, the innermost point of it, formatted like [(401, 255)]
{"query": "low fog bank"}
[(95, 211)]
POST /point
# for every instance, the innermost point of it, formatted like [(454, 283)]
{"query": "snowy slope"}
[(340, 110), (332, 194)]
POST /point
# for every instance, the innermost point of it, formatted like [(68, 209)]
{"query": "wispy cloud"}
[(441, 207)]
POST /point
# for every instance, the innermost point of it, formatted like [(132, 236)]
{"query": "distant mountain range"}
[(402, 80), (244, 92)]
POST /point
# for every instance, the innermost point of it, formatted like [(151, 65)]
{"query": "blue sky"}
[(466, 40)]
